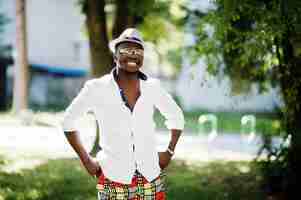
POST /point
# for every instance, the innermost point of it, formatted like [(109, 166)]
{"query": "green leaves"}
[(154, 22), (246, 34)]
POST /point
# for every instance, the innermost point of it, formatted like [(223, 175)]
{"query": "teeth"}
[(133, 64)]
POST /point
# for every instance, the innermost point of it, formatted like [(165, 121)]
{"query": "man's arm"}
[(175, 135), (174, 121), (89, 163), (165, 157), (79, 105)]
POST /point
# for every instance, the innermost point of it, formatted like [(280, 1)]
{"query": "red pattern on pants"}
[(138, 189)]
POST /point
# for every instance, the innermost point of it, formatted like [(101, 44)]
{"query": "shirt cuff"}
[(67, 127), (175, 123)]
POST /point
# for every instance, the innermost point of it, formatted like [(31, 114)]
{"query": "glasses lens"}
[(138, 52)]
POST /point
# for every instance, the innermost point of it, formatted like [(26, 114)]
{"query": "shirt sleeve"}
[(79, 106), (174, 117)]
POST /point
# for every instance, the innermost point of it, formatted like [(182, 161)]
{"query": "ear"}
[(115, 57)]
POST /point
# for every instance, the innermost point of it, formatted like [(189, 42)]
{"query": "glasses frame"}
[(130, 51)]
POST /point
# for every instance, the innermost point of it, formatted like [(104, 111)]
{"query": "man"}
[(128, 165)]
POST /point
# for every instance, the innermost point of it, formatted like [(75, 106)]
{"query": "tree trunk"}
[(291, 89), (101, 58), (20, 93), (3, 87), (292, 99), (96, 146), (124, 18)]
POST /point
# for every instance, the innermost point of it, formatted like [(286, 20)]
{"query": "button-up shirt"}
[(123, 129)]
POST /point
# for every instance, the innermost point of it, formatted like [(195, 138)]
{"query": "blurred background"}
[(232, 67)]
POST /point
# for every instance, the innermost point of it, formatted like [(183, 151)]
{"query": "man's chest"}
[(116, 99), (130, 96)]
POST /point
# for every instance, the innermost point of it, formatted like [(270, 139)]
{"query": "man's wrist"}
[(170, 152)]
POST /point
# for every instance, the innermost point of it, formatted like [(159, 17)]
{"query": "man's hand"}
[(164, 159), (91, 165), (89, 162)]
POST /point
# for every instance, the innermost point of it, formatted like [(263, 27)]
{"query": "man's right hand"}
[(91, 165), (89, 162)]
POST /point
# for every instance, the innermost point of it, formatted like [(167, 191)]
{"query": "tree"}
[(260, 41), (96, 24), (20, 93), (128, 13)]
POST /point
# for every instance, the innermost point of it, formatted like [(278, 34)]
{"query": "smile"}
[(132, 64)]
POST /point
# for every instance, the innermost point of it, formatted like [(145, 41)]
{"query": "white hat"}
[(128, 35)]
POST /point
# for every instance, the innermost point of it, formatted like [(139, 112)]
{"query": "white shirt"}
[(121, 128)]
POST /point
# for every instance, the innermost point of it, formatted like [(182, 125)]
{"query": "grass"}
[(66, 179), (215, 180), (228, 122), (58, 179)]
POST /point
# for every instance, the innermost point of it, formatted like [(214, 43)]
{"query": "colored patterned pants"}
[(139, 189)]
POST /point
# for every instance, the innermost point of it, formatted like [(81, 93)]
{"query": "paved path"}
[(51, 143)]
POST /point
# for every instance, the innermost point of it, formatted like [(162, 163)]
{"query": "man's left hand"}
[(164, 159)]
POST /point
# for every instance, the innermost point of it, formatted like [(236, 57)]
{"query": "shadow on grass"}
[(65, 179), (62, 179), (214, 181)]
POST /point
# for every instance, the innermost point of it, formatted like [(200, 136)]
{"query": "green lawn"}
[(65, 179), (227, 122)]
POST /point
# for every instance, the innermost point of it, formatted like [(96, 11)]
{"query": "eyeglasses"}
[(128, 51)]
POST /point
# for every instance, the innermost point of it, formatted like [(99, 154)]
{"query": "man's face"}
[(130, 56)]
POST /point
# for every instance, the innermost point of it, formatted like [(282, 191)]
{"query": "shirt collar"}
[(141, 75)]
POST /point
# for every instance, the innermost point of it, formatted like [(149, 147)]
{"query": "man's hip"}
[(139, 189)]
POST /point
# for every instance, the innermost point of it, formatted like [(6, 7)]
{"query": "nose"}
[(133, 52)]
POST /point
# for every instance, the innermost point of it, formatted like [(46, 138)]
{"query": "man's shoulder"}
[(152, 80), (103, 80)]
